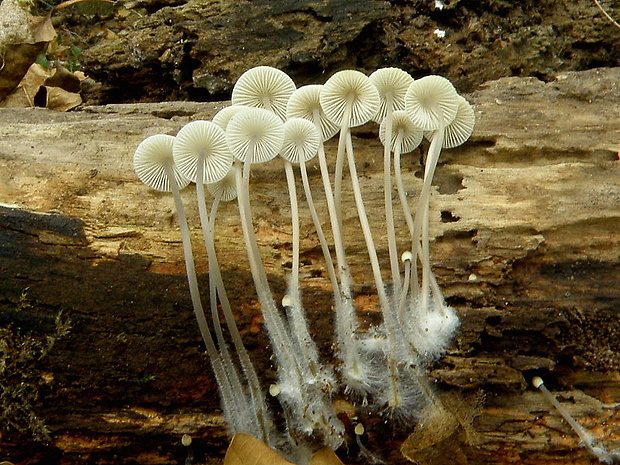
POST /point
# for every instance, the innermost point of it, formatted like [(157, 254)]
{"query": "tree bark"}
[(525, 231)]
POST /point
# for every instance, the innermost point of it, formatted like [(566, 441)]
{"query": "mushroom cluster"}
[(382, 368)]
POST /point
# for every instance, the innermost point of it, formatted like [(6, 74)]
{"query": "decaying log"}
[(525, 230)]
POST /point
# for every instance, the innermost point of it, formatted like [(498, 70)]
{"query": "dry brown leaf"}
[(436, 425), (449, 451), (24, 95), (42, 29), (64, 79), (22, 38), (61, 100), (47, 84), (247, 450), (444, 430), (325, 456), (18, 45)]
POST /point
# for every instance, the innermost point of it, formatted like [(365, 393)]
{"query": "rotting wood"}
[(526, 239)]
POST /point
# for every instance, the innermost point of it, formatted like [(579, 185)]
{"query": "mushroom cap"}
[(537, 381), (226, 187), (301, 140), (223, 116), (264, 87), (356, 87), (461, 127), (202, 139), (393, 83), (258, 126), (412, 135), (149, 162), (303, 104), (431, 101)]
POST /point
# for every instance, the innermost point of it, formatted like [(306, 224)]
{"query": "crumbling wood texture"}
[(525, 226), (200, 47)]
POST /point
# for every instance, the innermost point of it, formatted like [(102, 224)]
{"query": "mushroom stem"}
[(370, 245), (267, 103), (402, 194), (317, 383), (273, 321), (329, 263), (290, 180), (204, 222), (288, 360), (595, 448), (343, 266), (189, 265), (298, 323), (217, 289), (426, 265), (340, 156), (233, 403), (346, 318), (388, 315), (232, 387), (421, 215), (406, 258), (387, 193)]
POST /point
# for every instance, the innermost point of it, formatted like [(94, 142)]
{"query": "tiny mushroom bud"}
[(595, 448), (186, 440), (274, 390)]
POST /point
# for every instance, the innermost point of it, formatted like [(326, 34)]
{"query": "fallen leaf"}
[(64, 79), (325, 456), (19, 45), (61, 100), (22, 38), (23, 96), (247, 450), (45, 87), (445, 429), (436, 425), (42, 29)]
